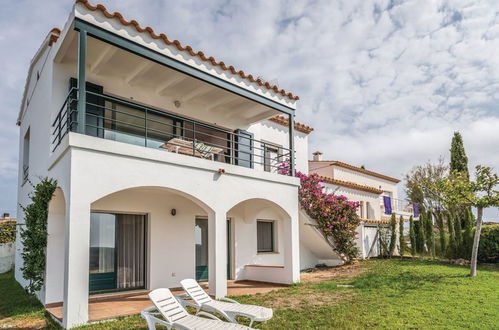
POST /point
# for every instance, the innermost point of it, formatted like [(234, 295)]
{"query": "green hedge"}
[(488, 251), (7, 231)]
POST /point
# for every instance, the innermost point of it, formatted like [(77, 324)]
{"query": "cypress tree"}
[(420, 234), (402, 243), (441, 230), (430, 236), (468, 233), (459, 236), (458, 158), (452, 236), (393, 234), (412, 236)]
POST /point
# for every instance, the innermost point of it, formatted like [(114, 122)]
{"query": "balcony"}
[(402, 207), (117, 119)]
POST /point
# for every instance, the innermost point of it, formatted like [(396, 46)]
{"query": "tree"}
[(420, 233), (393, 234), (458, 158), (430, 236), (459, 236), (452, 236), (421, 184), (402, 243), (468, 233), (412, 236), (480, 193), (441, 230)]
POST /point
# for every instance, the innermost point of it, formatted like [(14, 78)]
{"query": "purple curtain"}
[(387, 201), (415, 207)]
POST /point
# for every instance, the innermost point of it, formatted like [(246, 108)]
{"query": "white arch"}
[(188, 196)]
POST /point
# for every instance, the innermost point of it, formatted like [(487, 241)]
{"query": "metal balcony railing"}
[(397, 206), (116, 119)]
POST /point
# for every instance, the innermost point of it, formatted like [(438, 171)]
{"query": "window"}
[(361, 209), (271, 157), (26, 156), (265, 236)]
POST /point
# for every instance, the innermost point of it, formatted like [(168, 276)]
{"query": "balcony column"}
[(291, 123), (82, 92), (217, 253)]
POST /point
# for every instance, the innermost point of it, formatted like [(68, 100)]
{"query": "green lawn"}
[(391, 294)]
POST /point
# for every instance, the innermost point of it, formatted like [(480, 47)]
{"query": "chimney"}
[(317, 156)]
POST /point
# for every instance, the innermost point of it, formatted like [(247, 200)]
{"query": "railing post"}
[(291, 145), (82, 90)]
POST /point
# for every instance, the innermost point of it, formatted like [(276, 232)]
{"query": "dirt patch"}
[(308, 299), (333, 273), (23, 323)]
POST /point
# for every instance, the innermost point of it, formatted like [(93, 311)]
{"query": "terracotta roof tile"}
[(380, 221), (358, 169), (349, 184), (54, 35), (281, 120), (187, 48)]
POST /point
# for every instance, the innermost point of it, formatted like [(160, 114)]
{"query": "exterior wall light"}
[(174, 212)]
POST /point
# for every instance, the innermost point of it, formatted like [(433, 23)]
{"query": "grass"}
[(391, 294), (18, 309)]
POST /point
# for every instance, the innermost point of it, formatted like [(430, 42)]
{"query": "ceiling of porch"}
[(130, 76)]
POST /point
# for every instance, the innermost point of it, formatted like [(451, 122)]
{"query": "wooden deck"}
[(109, 306)]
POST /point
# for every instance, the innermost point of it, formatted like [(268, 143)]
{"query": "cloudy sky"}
[(384, 83)]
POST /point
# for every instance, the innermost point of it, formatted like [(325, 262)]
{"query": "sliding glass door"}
[(117, 252)]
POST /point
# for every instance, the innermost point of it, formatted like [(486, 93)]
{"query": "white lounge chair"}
[(228, 309), (176, 317)]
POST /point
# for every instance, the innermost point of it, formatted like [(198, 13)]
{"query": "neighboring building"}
[(165, 161), (377, 194), (6, 218)]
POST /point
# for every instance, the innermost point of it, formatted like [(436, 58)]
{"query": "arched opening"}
[(260, 232), (143, 238), (54, 268)]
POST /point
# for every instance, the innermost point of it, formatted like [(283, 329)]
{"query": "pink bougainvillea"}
[(336, 216)]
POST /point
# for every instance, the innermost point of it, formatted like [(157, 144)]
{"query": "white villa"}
[(166, 164), (377, 194)]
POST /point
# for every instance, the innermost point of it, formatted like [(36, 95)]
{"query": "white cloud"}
[(384, 83)]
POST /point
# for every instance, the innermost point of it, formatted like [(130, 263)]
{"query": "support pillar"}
[(292, 248), (291, 123), (217, 253), (76, 258), (82, 92)]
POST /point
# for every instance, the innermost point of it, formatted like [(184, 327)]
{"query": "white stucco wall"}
[(7, 256), (268, 131)]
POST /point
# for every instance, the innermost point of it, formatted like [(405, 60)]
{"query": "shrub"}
[(420, 233), (452, 236), (468, 233), (430, 237), (393, 234), (336, 216), (7, 232), (402, 243), (441, 230), (488, 250), (412, 236), (34, 234)]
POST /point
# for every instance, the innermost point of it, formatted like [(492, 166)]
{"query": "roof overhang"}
[(115, 30)]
